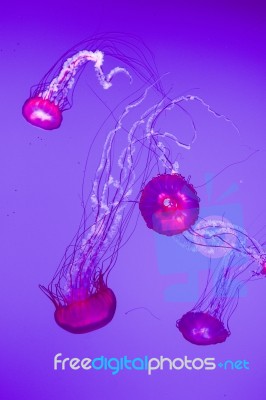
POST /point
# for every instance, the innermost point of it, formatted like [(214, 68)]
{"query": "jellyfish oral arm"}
[(219, 234), (65, 80)]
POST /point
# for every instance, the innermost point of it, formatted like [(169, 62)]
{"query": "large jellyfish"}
[(53, 95)]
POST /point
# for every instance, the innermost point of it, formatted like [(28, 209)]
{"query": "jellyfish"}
[(169, 204), (45, 106), (53, 95), (242, 259), (208, 322), (202, 328)]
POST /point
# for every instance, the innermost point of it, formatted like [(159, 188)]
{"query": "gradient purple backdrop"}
[(219, 49)]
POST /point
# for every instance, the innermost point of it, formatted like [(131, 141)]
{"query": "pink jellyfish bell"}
[(169, 204), (42, 113), (84, 312), (202, 328)]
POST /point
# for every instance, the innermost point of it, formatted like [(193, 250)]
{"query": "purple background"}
[(217, 48)]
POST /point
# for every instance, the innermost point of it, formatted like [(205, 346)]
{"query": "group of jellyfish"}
[(144, 178)]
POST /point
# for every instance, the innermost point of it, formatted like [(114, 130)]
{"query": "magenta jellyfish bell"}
[(169, 204), (202, 328), (42, 113), (208, 322), (83, 312)]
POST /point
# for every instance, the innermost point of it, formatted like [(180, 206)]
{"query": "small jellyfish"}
[(45, 106), (53, 95), (169, 204), (208, 322), (202, 328)]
